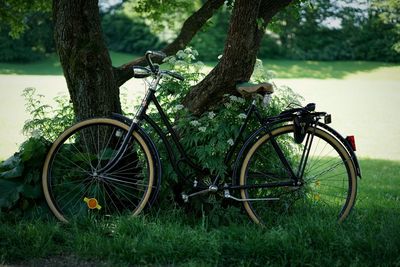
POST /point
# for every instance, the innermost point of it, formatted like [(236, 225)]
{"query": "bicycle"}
[(111, 166)]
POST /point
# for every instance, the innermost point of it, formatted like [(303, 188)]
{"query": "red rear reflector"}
[(352, 141)]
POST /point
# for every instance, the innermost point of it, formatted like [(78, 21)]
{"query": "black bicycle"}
[(110, 166)]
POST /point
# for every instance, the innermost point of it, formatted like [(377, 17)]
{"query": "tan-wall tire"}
[(287, 128), (75, 127)]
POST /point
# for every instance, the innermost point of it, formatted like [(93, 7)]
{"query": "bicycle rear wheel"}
[(74, 183), (328, 184)]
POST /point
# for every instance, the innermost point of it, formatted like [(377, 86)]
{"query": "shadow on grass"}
[(51, 65), (48, 66), (321, 69)]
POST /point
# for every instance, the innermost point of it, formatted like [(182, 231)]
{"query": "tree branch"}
[(189, 29)]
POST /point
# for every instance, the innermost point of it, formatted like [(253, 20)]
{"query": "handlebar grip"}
[(175, 75), (160, 54), (141, 72)]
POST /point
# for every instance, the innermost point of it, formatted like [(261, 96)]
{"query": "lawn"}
[(283, 68), (370, 237)]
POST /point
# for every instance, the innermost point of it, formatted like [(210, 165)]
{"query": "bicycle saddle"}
[(248, 89)]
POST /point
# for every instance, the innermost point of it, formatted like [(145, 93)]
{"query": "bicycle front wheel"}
[(75, 182), (327, 182)]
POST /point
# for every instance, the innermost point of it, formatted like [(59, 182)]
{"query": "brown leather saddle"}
[(249, 89)]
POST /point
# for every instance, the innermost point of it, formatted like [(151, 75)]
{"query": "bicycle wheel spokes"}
[(327, 183), (77, 182)]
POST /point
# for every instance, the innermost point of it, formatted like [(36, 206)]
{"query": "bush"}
[(209, 42), (20, 175), (207, 138), (123, 34), (32, 45)]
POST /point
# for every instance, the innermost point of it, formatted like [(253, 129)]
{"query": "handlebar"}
[(148, 56), (174, 75), (144, 72)]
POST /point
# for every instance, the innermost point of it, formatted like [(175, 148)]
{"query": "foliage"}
[(20, 175), (32, 44), (13, 14), (332, 30), (306, 30), (47, 122), (162, 15), (209, 41), (124, 34), (207, 138)]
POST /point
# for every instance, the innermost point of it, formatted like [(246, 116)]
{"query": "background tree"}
[(363, 31)]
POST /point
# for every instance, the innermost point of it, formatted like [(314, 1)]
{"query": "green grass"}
[(283, 68), (48, 66), (51, 65), (371, 235), (324, 69)]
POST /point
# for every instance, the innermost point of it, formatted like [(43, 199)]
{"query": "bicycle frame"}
[(267, 126), (183, 157)]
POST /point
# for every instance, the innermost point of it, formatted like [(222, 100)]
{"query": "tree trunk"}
[(240, 52), (84, 58)]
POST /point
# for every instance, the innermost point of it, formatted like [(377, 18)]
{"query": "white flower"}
[(180, 54), (228, 105), (230, 142), (241, 100), (188, 50), (233, 98), (194, 123), (36, 134), (179, 107), (242, 116), (202, 129), (211, 115)]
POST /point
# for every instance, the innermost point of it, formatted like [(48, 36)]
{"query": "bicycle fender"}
[(346, 144), (154, 152)]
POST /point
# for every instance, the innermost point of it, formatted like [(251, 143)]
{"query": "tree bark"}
[(189, 29), (240, 52), (84, 58)]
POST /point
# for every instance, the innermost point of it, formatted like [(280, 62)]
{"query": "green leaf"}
[(9, 193), (13, 173), (32, 191), (30, 148), (10, 163), (32, 176)]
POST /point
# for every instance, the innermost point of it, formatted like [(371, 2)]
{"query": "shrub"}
[(123, 34), (209, 41), (20, 175), (207, 138), (32, 45)]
